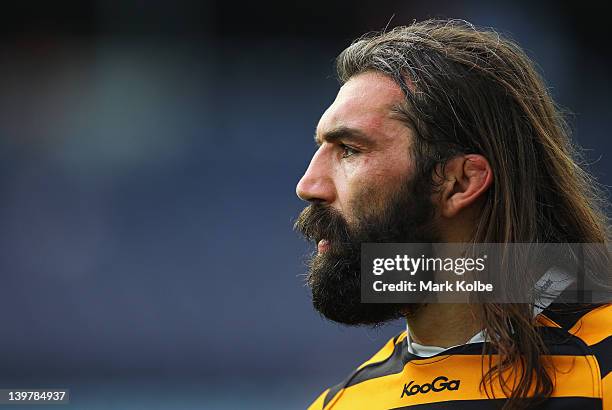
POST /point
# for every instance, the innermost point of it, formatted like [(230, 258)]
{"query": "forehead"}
[(364, 102)]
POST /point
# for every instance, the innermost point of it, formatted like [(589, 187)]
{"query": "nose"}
[(317, 183)]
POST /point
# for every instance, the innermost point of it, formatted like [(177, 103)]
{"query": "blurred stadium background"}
[(149, 154)]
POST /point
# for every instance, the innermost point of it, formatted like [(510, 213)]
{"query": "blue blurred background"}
[(149, 155)]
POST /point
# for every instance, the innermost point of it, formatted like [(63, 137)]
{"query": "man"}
[(444, 133)]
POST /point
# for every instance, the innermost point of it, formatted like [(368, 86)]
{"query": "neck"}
[(448, 324), (443, 324)]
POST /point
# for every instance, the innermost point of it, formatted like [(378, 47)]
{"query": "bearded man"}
[(444, 133)]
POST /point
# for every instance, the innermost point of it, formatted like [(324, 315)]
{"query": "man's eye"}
[(347, 151)]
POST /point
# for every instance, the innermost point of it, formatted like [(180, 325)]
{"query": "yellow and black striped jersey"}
[(579, 346)]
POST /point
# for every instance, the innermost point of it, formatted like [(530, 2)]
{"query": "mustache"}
[(318, 221)]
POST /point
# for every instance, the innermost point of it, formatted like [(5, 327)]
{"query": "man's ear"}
[(466, 178)]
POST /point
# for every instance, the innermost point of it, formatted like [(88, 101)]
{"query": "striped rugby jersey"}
[(579, 343)]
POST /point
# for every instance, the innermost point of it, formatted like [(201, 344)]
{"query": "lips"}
[(324, 226), (323, 245)]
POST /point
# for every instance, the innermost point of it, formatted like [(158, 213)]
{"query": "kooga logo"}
[(438, 384)]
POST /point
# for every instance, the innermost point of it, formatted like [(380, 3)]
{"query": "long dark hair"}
[(472, 91)]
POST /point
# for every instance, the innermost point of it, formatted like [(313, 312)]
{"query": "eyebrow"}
[(343, 133)]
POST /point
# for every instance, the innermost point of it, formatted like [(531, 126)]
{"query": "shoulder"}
[(594, 328), (590, 330), (590, 324), (373, 367)]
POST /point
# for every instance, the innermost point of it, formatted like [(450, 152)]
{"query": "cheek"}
[(384, 174), (370, 187)]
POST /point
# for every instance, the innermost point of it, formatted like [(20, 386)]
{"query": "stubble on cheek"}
[(373, 177), (371, 195)]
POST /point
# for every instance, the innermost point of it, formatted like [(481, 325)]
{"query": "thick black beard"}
[(334, 276)]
